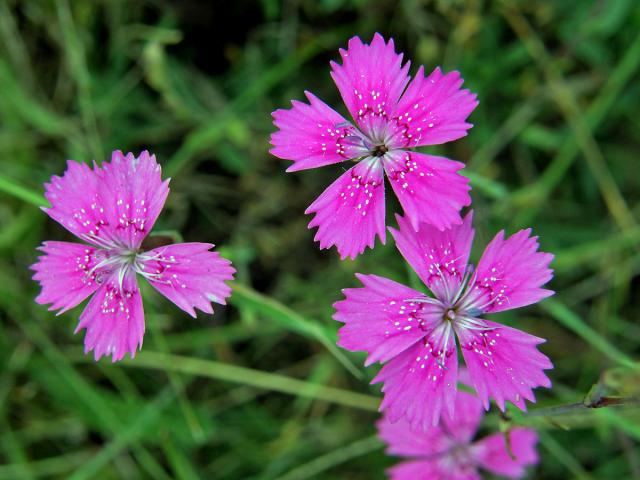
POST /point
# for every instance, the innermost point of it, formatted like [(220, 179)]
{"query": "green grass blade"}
[(254, 378), (245, 297), (574, 323), (332, 459), (21, 192), (125, 436)]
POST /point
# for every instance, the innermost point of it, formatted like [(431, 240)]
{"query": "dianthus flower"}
[(113, 208), (416, 334), (446, 452), (389, 121)]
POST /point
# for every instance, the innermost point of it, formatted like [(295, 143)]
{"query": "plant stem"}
[(601, 402)]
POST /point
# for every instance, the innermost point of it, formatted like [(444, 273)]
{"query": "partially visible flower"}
[(446, 452), (416, 334), (113, 208), (391, 115)]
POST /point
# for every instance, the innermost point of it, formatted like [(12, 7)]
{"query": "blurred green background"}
[(259, 390)]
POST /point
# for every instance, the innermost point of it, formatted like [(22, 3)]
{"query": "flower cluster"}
[(415, 335), (112, 209)]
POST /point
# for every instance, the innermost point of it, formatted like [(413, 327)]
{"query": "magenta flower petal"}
[(371, 80), (314, 135), (116, 203), (132, 193), (189, 275), (431, 470), (468, 414), (66, 273), (404, 441), (429, 188), (421, 381), (504, 363), (511, 272), (114, 319), (350, 212), (377, 318), (438, 257), (492, 454), (433, 110), (76, 205)]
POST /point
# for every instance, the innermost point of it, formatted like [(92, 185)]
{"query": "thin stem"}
[(601, 402)]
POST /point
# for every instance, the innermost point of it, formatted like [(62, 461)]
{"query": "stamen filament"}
[(429, 300), (473, 323), (465, 281)]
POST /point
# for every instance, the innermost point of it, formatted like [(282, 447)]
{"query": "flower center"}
[(379, 150), (115, 259), (460, 457), (449, 315)]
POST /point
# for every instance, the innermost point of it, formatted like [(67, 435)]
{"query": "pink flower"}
[(389, 120), (113, 208), (416, 334), (446, 452)]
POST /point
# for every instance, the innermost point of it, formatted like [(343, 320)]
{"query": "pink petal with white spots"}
[(438, 257), (77, 205), (420, 382), (404, 441), (189, 275), (114, 319), (492, 453), (371, 80), (504, 363), (511, 272), (132, 193), (66, 274), (433, 110), (438, 469), (350, 212), (314, 135), (379, 318), (429, 188)]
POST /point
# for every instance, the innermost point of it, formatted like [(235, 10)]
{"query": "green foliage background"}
[(259, 390)]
